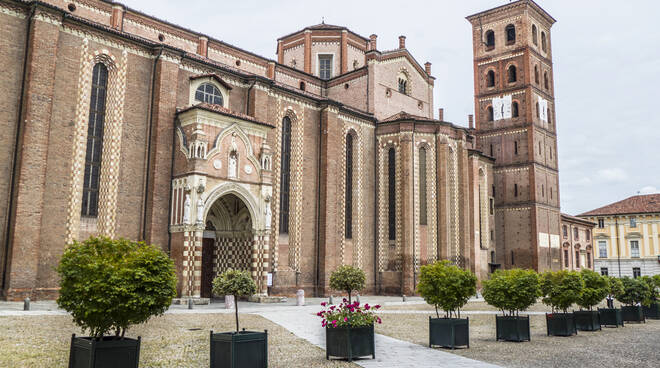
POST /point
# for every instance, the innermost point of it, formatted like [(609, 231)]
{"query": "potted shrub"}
[(245, 349), (635, 291), (511, 291), (349, 327), (561, 289), (595, 290), (651, 306), (108, 285), (612, 316), (444, 285)]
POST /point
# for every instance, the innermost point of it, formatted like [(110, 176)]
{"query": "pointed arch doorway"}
[(228, 240)]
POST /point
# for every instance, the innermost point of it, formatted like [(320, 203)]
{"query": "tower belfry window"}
[(512, 73), (403, 85), (535, 37), (90, 199), (325, 67), (490, 79), (490, 40), (510, 34)]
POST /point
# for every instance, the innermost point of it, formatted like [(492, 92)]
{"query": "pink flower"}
[(345, 319), (334, 323), (332, 307), (323, 304), (376, 306), (345, 300), (319, 314), (379, 320), (366, 306)]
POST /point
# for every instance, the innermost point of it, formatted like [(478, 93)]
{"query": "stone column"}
[(407, 213)]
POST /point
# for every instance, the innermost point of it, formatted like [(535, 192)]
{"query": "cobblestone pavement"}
[(390, 352)]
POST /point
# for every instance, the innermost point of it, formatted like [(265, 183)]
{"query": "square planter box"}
[(652, 311), (244, 349), (560, 324), (633, 313), (512, 328), (87, 352), (610, 317), (349, 342), (587, 320), (449, 332)]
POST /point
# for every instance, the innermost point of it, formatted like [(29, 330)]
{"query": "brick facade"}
[(204, 181)]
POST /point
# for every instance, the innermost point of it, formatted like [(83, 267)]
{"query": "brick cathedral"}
[(119, 124)]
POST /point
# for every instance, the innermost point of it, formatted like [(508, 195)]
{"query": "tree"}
[(652, 291), (111, 284), (561, 289), (615, 287), (595, 289), (634, 291), (511, 290), (236, 283), (444, 285), (347, 278)]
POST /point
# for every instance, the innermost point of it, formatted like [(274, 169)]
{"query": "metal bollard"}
[(331, 300), (26, 304), (300, 297), (190, 303), (229, 302), (405, 298), (357, 298)]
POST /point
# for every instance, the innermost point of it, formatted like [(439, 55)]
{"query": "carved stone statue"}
[(268, 215), (200, 211), (231, 167), (186, 209)]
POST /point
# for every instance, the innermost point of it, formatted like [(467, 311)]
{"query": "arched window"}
[(544, 43), (515, 147), (302, 85), (285, 175), (90, 199), (349, 187), (549, 119), (422, 186), (512, 73), (510, 34), (538, 113), (535, 37), (546, 82), (490, 79), (515, 109), (536, 74), (403, 85), (490, 40), (208, 93), (489, 113), (391, 194)]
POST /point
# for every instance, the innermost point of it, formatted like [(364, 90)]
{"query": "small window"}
[(577, 259), (549, 118), (515, 147), (538, 111), (513, 261), (492, 256), (566, 260), (325, 67), (604, 271), (490, 40), (576, 233), (510, 34), (637, 272), (588, 260), (512, 74), (489, 113), (535, 37), (633, 222), (491, 206), (542, 190), (490, 79), (544, 45), (209, 93), (634, 248), (491, 151), (515, 110), (565, 231), (588, 234), (546, 82), (302, 85), (493, 188), (601, 223), (515, 190), (536, 74)]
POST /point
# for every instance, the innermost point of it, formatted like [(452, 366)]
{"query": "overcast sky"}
[(606, 61)]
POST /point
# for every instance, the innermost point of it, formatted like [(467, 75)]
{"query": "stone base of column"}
[(196, 301), (267, 299)]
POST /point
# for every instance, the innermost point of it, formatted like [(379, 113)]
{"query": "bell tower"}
[(515, 124)]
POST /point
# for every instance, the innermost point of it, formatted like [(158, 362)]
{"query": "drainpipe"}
[(149, 133), (378, 279), (618, 246), (15, 155), (414, 222), (318, 209)]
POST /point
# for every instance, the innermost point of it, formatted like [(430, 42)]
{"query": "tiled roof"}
[(568, 217), (649, 203), (224, 111), (404, 116)]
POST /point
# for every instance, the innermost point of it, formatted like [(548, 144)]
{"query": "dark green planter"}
[(511, 328), (587, 320), (610, 317), (633, 313), (449, 332), (349, 342), (560, 324), (244, 349), (87, 352), (652, 311)]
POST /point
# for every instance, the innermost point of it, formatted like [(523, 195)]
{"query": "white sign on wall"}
[(544, 240), (502, 107), (543, 107), (554, 241)]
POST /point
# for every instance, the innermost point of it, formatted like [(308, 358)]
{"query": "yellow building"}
[(627, 236)]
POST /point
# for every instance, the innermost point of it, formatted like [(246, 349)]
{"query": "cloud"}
[(649, 190), (613, 175)]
